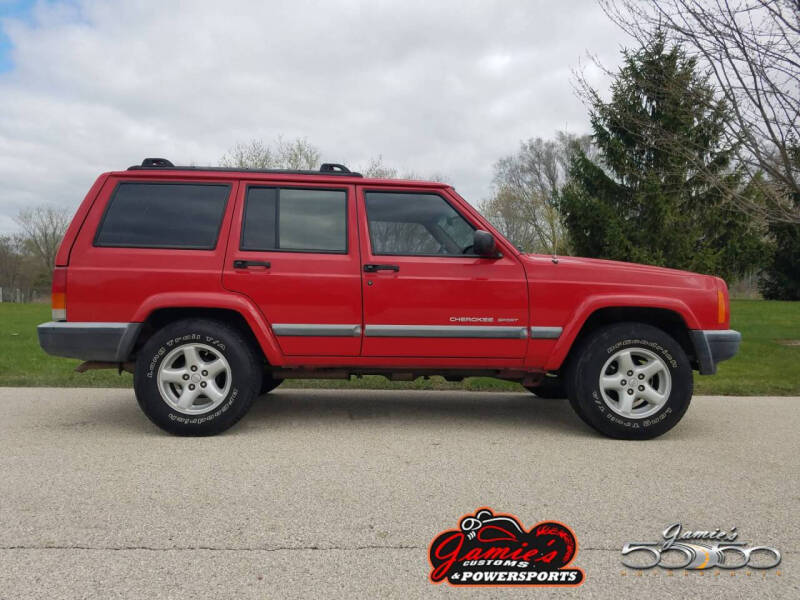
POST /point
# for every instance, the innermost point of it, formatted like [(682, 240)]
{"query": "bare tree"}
[(43, 228), (297, 154), (12, 258), (752, 50), (378, 170), (527, 185), (511, 215)]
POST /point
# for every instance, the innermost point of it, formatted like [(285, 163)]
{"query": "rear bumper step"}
[(109, 342)]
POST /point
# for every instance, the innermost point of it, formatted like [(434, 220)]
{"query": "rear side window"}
[(163, 215), (295, 220)]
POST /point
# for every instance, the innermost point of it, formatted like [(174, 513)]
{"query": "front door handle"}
[(243, 264), (370, 268)]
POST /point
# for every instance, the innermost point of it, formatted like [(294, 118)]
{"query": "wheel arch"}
[(670, 320), (237, 312)]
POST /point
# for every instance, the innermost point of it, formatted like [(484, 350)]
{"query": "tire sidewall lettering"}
[(205, 418), (654, 346), (175, 342), (587, 385)]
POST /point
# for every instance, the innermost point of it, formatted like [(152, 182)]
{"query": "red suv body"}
[(325, 274)]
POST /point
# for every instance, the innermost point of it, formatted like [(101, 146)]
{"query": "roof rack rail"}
[(157, 162), (333, 168), (324, 169)]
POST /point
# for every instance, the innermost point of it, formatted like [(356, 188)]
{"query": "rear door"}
[(426, 294), (294, 251)]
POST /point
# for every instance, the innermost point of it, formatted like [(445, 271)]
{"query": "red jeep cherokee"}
[(214, 285)]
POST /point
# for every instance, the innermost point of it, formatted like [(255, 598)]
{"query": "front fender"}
[(594, 303)]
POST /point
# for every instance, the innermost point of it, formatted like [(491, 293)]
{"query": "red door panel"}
[(312, 300), (442, 306)]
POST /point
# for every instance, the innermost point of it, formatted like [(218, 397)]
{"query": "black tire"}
[(268, 383), (551, 388), (222, 340), (588, 400)]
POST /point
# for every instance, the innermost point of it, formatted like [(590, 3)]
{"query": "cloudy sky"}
[(88, 86)]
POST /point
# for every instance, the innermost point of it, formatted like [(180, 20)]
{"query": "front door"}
[(426, 294), (296, 257)]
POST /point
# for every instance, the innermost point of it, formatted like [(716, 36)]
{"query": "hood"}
[(612, 271)]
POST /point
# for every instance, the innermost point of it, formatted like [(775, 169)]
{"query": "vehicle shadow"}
[(412, 407), (288, 407)]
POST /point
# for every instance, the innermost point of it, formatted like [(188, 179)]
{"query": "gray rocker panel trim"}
[(312, 330), (546, 333), (446, 331)]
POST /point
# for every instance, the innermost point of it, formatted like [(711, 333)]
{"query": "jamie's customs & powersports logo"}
[(491, 549)]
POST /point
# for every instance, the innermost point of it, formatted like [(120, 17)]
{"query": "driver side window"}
[(416, 224)]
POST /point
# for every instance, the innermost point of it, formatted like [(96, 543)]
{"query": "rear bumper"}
[(108, 342), (713, 346)]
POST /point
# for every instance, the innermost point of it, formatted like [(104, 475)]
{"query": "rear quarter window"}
[(163, 215)]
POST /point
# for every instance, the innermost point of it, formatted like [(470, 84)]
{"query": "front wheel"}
[(631, 381), (268, 383), (196, 377)]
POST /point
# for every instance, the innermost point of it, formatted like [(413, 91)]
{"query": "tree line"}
[(27, 257), (692, 162)]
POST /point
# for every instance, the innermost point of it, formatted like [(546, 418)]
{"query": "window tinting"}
[(303, 220), (402, 238), (258, 232), (412, 224), (163, 215)]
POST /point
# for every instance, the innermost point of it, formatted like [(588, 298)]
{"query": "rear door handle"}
[(243, 264), (370, 268)]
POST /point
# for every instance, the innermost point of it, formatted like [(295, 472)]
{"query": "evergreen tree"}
[(781, 278), (655, 193)]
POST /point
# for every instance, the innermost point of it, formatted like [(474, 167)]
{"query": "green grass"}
[(24, 363), (763, 365)]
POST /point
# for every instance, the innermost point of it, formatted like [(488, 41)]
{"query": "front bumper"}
[(713, 346), (107, 342)]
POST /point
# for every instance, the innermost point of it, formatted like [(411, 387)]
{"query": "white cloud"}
[(443, 87)]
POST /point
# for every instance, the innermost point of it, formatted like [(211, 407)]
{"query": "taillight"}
[(722, 308), (59, 297)]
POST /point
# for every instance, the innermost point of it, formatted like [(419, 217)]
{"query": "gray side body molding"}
[(546, 333), (446, 331), (312, 330)]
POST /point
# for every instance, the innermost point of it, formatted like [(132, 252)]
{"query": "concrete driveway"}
[(322, 493)]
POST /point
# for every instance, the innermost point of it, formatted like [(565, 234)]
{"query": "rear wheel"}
[(196, 377), (630, 381)]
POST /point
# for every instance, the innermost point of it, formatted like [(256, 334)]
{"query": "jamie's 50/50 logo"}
[(698, 550), (491, 549)]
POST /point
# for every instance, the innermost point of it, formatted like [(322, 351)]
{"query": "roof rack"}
[(325, 168)]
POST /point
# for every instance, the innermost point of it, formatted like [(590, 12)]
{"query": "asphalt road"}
[(326, 494)]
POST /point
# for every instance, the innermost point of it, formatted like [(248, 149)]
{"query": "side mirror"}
[(483, 244)]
